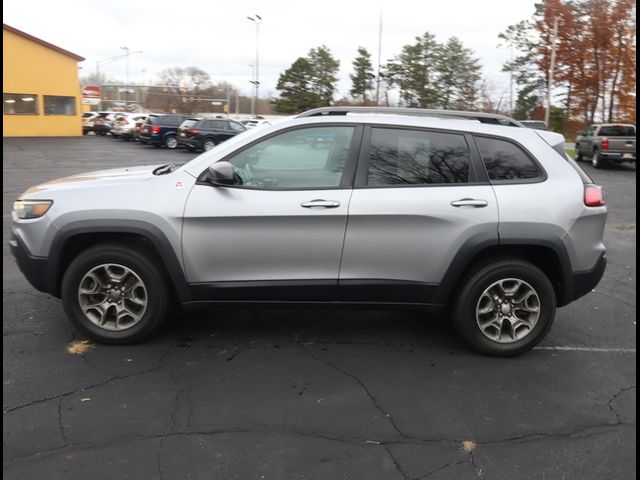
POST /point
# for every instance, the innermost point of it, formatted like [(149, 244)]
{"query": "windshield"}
[(617, 131)]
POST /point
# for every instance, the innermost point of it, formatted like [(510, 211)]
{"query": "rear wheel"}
[(115, 294), (597, 161), (505, 308), (171, 142), (208, 145)]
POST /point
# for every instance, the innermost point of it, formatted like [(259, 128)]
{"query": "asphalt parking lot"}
[(251, 393)]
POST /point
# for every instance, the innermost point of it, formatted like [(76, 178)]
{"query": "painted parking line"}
[(588, 349)]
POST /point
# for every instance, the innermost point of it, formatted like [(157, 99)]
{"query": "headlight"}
[(26, 209)]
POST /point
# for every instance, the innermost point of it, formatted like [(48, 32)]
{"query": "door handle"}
[(319, 203), (469, 202)]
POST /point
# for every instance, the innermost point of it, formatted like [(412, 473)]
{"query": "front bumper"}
[(33, 268), (190, 143)]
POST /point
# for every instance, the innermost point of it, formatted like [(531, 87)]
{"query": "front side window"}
[(505, 161), (305, 158), (20, 104), (54, 105), (410, 157)]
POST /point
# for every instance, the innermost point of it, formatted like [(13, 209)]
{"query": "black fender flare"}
[(157, 238)]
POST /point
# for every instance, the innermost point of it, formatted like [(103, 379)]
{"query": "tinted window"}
[(172, 121), (505, 160), (20, 104), (304, 158), (405, 157), (236, 127), (188, 123), (54, 105), (617, 131)]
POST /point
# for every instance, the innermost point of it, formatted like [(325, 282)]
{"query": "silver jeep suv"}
[(359, 206)]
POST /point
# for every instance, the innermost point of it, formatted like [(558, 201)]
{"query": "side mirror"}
[(220, 173)]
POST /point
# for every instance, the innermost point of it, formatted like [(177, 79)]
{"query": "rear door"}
[(420, 198)]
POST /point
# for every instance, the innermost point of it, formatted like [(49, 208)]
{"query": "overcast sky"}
[(216, 36)]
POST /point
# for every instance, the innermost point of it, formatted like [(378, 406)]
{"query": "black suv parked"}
[(207, 133), (161, 130)]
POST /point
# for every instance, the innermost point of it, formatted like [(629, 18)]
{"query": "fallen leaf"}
[(79, 347), (468, 446)]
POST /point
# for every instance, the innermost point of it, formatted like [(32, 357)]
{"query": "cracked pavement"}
[(290, 393)]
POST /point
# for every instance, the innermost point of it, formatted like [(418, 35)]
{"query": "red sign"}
[(91, 91)]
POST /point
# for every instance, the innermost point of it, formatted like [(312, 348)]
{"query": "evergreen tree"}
[(324, 77), (362, 78), (413, 71), (295, 85), (458, 76)]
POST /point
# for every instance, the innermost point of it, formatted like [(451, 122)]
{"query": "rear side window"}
[(172, 121), (505, 161), (188, 123), (408, 157)]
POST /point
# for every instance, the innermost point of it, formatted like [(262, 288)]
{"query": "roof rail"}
[(482, 117)]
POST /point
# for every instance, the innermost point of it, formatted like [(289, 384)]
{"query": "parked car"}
[(254, 122), (535, 124), (494, 222), (103, 122), (161, 130), (138, 127), (205, 134), (124, 125), (87, 122), (607, 143)]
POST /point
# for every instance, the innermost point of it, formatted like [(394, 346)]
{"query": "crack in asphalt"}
[(371, 396), (441, 468), (475, 466), (613, 399), (159, 459), (60, 424), (396, 462), (268, 430)]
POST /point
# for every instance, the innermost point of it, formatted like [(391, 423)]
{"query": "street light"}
[(256, 81)]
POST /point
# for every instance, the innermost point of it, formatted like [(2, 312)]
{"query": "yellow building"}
[(40, 87)]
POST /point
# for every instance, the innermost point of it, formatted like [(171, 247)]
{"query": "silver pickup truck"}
[(607, 143)]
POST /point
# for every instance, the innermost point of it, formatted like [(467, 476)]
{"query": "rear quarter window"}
[(507, 162)]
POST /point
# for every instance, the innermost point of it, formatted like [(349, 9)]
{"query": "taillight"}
[(593, 196), (604, 144), (193, 132), (155, 129)]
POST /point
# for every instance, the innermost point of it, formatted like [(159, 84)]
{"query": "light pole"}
[(257, 21), (127, 54), (106, 61)]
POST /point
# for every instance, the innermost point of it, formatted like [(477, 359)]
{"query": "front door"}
[(278, 232)]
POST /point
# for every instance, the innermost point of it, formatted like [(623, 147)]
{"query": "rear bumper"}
[(150, 139), (618, 156), (33, 268), (584, 282)]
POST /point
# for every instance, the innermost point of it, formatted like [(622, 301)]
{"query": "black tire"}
[(171, 142), (597, 161), (208, 144), (138, 261), (473, 287), (578, 156)]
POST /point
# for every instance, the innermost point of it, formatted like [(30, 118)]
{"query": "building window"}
[(20, 104), (59, 105)]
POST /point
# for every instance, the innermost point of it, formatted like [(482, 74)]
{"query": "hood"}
[(99, 178)]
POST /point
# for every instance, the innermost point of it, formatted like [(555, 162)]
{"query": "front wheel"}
[(115, 294), (505, 308)]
